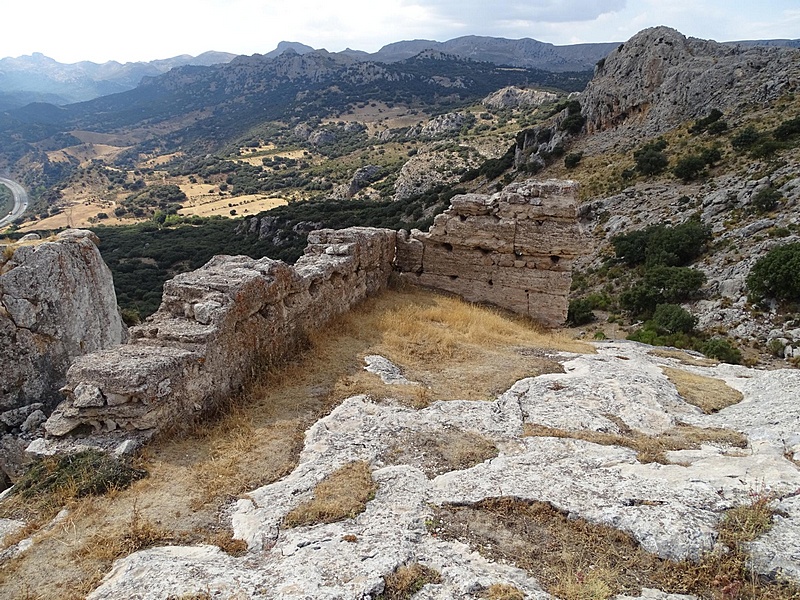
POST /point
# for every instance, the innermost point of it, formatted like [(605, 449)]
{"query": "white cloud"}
[(146, 29)]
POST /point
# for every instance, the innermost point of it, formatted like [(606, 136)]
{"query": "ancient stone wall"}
[(216, 327), (513, 249)]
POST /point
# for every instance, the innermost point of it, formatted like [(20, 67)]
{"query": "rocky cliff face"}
[(659, 78), (57, 302)]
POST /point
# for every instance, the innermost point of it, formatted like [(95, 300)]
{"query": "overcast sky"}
[(127, 30)]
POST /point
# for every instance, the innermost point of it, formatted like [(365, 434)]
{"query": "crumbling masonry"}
[(221, 324)]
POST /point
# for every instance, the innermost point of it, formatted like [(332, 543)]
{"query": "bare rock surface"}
[(514, 97), (671, 509), (57, 302), (385, 369)]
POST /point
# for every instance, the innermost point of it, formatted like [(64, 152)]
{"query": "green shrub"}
[(717, 128), (580, 312), (689, 167), (722, 350), (675, 284), (766, 200), (746, 138), (671, 318), (573, 123), (673, 246), (787, 130), (661, 285), (776, 275), (572, 160), (703, 124), (650, 158)]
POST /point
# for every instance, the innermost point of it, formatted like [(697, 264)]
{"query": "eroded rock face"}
[(513, 249), (514, 97), (659, 78), (57, 303), (671, 509), (216, 327)]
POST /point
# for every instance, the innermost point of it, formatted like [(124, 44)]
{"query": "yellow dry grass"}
[(210, 205), (341, 495), (649, 448), (707, 393), (407, 580)]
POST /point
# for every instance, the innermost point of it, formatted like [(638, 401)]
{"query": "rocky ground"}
[(671, 508)]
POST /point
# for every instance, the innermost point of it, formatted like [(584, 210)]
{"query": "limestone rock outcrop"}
[(216, 327), (57, 302), (514, 97), (671, 509), (660, 78), (513, 249)]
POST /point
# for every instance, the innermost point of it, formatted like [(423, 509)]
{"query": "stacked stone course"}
[(513, 249)]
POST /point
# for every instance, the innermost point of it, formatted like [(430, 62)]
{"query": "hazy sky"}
[(126, 30)]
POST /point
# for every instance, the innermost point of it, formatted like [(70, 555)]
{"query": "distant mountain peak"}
[(294, 47)]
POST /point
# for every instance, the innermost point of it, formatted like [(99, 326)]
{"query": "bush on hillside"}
[(722, 350), (776, 275), (662, 245), (573, 159), (706, 123), (661, 285), (650, 158), (766, 200), (672, 318)]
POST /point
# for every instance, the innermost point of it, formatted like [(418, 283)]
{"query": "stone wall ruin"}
[(513, 249), (218, 326)]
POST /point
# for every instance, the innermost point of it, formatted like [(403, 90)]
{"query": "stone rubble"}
[(389, 372), (671, 509)]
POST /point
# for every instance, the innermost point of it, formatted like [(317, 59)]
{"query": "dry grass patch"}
[(341, 495), (577, 560), (460, 350), (502, 591), (407, 580), (649, 448), (137, 533), (437, 452), (53, 482), (683, 357), (707, 393)]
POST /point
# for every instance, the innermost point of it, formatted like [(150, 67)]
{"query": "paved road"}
[(20, 201)]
